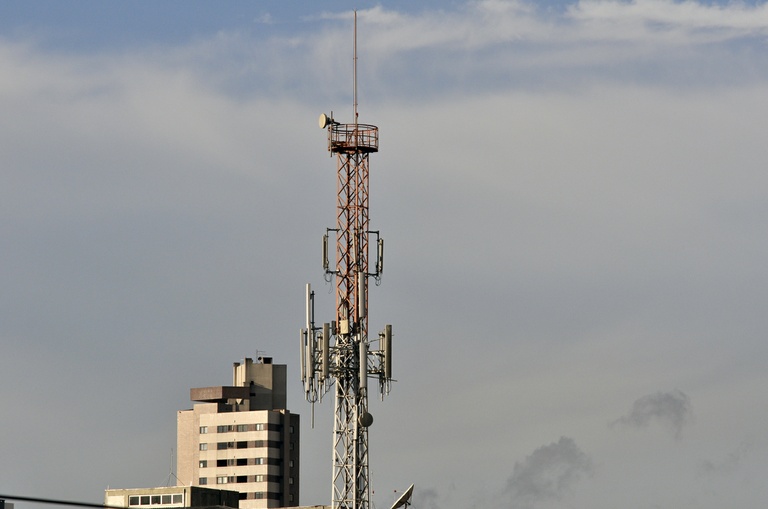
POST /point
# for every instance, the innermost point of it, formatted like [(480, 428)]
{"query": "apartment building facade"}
[(242, 438)]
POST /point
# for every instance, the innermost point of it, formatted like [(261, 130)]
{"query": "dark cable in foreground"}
[(58, 502)]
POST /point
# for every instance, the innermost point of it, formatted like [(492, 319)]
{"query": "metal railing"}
[(353, 138)]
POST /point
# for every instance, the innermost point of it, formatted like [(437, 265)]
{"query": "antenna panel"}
[(363, 365), (325, 252), (361, 304), (310, 365), (303, 348), (324, 353), (387, 347), (380, 257)]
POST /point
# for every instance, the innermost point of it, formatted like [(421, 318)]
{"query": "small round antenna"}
[(324, 121), (404, 500)]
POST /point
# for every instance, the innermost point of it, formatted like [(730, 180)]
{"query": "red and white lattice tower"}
[(340, 355)]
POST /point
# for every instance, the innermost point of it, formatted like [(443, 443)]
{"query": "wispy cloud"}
[(264, 19), (496, 43), (477, 25), (727, 464), (482, 46), (649, 18), (427, 498), (548, 473), (671, 409)]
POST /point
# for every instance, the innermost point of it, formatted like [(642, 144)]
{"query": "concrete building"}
[(242, 438), (171, 497)]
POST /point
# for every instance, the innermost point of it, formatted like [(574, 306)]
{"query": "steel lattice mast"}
[(340, 353)]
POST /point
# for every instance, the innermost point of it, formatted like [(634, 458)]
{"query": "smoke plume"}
[(671, 409), (548, 473)]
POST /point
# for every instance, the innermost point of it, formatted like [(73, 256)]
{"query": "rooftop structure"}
[(171, 497), (242, 438)]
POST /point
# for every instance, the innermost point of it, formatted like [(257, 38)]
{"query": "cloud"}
[(427, 498), (264, 19), (478, 47), (728, 464), (689, 20), (548, 473), (671, 409)]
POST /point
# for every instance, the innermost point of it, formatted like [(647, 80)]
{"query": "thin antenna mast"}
[(354, 78)]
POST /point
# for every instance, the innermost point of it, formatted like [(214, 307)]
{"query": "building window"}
[(260, 461), (203, 481), (203, 447), (242, 445), (259, 478), (203, 463), (290, 463), (290, 479), (261, 427), (221, 479), (242, 427), (291, 429), (203, 430), (157, 500), (242, 462)]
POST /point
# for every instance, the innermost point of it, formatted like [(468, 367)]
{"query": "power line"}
[(58, 502)]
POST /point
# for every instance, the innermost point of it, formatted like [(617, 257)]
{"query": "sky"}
[(572, 196)]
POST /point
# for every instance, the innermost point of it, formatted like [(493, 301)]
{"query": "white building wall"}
[(233, 459)]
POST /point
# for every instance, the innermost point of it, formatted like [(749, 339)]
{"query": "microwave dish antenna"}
[(325, 120), (404, 500)]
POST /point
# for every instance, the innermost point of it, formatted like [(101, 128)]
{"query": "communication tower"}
[(339, 354)]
